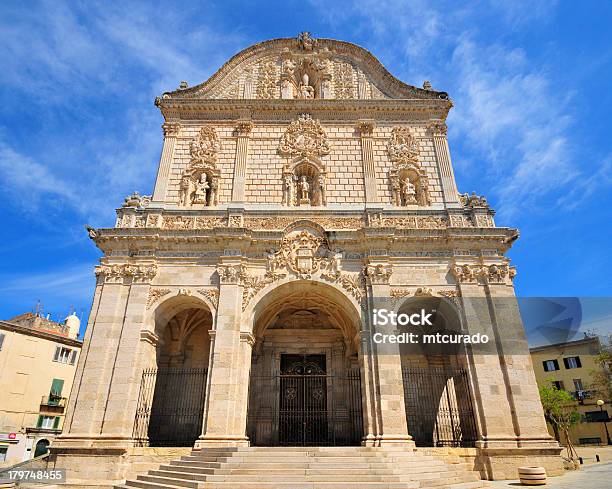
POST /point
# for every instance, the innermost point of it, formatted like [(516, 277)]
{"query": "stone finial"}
[(306, 41), (183, 85), (427, 85)]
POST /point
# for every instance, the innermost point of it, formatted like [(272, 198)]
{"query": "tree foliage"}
[(602, 376), (560, 411)]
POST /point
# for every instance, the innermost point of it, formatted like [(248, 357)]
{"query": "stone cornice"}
[(323, 109)]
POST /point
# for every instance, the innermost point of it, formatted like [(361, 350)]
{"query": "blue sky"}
[(78, 130)]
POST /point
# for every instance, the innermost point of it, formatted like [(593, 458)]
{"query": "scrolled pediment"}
[(303, 68)]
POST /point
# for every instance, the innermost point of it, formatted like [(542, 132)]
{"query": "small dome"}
[(74, 324)]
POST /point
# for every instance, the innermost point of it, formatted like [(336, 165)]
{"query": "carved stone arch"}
[(312, 171), (178, 328), (306, 224), (345, 302)]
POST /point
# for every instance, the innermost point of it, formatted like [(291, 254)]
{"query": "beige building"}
[(38, 360), (299, 188), (570, 366)]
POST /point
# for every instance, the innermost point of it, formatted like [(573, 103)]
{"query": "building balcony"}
[(53, 404), (582, 395)]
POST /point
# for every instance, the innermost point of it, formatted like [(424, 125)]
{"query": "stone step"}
[(310, 468)]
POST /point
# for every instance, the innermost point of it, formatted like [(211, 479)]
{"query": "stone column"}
[(366, 130), (224, 397), (98, 413), (438, 131), (243, 131), (171, 131), (491, 400), (392, 425), (515, 359)]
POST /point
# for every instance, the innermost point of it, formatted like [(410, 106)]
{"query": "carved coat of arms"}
[(304, 137)]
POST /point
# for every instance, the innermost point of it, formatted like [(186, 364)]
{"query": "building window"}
[(578, 385), (48, 422), (550, 365), (596, 416), (65, 355), (1, 340), (572, 362), (558, 384), (3, 451)]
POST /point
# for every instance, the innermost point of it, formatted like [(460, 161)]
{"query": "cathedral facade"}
[(233, 307)]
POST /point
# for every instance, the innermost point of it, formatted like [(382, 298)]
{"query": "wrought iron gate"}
[(439, 408), (170, 407), (305, 406)]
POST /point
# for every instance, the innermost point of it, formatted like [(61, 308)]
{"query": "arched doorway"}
[(172, 394), (305, 386), (42, 447), (437, 394)]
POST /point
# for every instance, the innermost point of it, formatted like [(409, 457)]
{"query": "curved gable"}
[(304, 68)]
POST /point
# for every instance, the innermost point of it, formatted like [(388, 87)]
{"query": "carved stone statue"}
[(306, 90), (408, 192), (304, 189), (201, 192), (186, 190)]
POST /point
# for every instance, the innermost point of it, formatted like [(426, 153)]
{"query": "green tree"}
[(560, 411), (602, 376)]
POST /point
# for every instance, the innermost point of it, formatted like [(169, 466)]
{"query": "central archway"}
[(305, 385)]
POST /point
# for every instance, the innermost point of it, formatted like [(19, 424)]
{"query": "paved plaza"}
[(596, 476)]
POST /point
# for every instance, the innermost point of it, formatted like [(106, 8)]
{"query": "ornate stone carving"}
[(200, 181), (305, 76), (379, 273), (344, 84), (366, 127), (178, 222), (403, 148), (205, 147), (466, 273), (244, 128), (154, 295), (210, 222), (267, 86), (424, 292), (416, 222), (282, 222), (212, 295), (304, 137), (231, 274), (116, 273), (409, 182), (252, 285), (171, 129), (305, 41), (234, 221), (137, 201), (473, 200), (353, 283), (437, 128)]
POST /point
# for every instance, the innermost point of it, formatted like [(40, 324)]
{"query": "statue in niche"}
[(306, 90), (408, 192), (304, 190), (201, 192)]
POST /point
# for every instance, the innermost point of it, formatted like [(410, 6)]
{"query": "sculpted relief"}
[(200, 181), (409, 182), (304, 176)]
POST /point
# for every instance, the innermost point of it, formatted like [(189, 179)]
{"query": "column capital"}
[(366, 127), (244, 128), (437, 127), (171, 129)]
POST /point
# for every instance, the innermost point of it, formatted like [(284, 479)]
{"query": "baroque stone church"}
[(231, 336)]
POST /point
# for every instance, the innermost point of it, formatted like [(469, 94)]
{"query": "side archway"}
[(437, 393), (172, 394)]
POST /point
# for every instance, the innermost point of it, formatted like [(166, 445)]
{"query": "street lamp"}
[(600, 403)]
